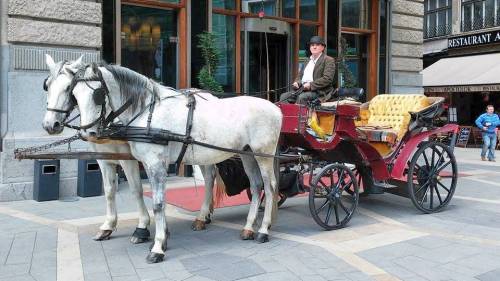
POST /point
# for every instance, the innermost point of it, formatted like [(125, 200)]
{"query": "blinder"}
[(99, 96), (45, 86)]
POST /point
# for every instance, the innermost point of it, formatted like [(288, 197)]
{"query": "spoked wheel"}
[(334, 196), (432, 177), (281, 198)]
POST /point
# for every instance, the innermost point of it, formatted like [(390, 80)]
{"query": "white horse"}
[(58, 108), (241, 123)]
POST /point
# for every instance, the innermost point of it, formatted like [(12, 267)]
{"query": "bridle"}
[(99, 97), (72, 98)]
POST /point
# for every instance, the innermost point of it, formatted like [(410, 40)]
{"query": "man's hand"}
[(485, 128), (295, 85), (307, 86)]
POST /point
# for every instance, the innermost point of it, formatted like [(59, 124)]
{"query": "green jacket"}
[(323, 74)]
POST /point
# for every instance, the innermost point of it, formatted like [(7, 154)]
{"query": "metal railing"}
[(436, 31), (480, 23)]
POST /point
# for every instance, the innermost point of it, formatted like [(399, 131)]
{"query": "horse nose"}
[(57, 126)]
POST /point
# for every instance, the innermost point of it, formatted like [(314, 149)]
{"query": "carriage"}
[(341, 149)]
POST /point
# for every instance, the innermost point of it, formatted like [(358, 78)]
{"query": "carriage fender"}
[(363, 153), (401, 160)]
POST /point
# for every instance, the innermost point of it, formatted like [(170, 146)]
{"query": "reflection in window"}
[(356, 13), (332, 28), (288, 8), (255, 6), (356, 61), (148, 38), (224, 4), (223, 28), (306, 32), (309, 10), (167, 1)]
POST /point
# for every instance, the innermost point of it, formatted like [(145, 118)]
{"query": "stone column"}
[(456, 17), (65, 29), (406, 46)]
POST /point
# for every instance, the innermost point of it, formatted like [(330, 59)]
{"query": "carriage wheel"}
[(281, 198), (330, 203), (432, 177)]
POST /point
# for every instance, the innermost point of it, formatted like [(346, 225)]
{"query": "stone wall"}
[(407, 46), (65, 29)]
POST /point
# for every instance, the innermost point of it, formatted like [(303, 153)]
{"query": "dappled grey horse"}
[(237, 124)]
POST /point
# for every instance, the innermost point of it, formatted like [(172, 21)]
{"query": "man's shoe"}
[(483, 158), (492, 160)]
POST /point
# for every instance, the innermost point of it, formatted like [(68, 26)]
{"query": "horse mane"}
[(133, 85)]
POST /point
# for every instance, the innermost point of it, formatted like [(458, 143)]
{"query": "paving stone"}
[(150, 273), (232, 271), (480, 262), (430, 242), (177, 275), (120, 265), (126, 278), (25, 277), (275, 276), (490, 275), (97, 276), (10, 270), (22, 248)]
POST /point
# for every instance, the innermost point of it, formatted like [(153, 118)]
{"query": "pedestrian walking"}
[(488, 122)]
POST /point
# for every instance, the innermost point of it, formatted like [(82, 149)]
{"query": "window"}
[(223, 27), (356, 13), (255, 6), (437, 19), (149, 42), (224, 4), (479, 14)]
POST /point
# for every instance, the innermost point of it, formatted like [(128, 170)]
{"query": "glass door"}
[(266, 52), (149, 42)]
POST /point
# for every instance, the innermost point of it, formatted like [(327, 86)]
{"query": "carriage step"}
[(383, 185)]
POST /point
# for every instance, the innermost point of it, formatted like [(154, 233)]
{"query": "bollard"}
[(46, 180), (89, 178)]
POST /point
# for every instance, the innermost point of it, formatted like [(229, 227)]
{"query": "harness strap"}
[(189, 125)]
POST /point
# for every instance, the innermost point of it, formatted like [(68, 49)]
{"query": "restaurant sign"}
[(462, 89), (477, 39)]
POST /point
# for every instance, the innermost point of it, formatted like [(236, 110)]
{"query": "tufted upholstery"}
[(389, 116)]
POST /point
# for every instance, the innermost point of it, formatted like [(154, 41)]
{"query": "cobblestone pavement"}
[(387, 239)]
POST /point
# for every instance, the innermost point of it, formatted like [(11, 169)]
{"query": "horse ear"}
[(74, 66), (50, 62)]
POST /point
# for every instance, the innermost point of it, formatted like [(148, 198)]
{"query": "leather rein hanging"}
[(109, 130)]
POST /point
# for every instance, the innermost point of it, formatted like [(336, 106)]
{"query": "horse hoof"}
[(198, 225), (208, 220), (246, 234), (140, 235), (262, 238), (103, 235), (154, 258), (137, 240)]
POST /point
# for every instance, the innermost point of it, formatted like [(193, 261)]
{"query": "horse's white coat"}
[(57, 97)]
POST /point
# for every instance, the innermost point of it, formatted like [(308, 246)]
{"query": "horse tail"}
[(220, 189)]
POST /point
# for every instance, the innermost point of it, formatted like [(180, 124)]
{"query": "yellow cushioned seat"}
[(389, 116)]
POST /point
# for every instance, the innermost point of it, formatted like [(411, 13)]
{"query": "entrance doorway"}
[(266, 56)]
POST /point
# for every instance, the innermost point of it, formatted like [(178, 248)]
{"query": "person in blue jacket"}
[(487, 122)]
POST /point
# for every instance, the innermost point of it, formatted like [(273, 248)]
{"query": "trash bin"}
[(89, 178), (46, 180)]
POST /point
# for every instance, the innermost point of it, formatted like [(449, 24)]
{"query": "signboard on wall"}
[(485, 38), (462, 89)]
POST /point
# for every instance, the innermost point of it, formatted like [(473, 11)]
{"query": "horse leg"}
[(108, 171), (266, 166), (157, 174), (253, 173), (206, 211), (131, 169)]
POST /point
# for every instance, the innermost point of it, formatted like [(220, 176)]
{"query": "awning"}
[(479, 73)]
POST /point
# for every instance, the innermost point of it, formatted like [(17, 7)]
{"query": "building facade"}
[(461, 53), (262, 44)]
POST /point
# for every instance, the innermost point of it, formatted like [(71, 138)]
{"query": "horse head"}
[(60, 101)]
